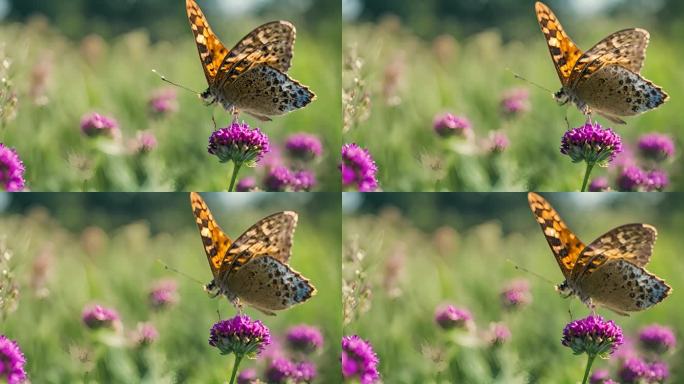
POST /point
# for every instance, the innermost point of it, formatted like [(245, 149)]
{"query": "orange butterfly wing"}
[(564, 52), (216, 243), (211, 51)]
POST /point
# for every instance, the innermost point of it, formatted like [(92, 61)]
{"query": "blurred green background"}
[(406, 62), (67, 59), (420, 250), (71, 250)]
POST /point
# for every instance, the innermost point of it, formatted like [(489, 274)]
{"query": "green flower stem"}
[(590, 166), (236, 169), (590, 361), (238, 358)]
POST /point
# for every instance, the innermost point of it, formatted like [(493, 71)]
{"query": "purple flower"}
[(358, 168), (11, 170), (240, 335), (97, 317), (515, 101), (592, 144), (278, 179), (657, 180), (246, 184), (145, 142), (304, 146), (163, 294), (446, 125), (303, 180), (304, 338), (656, 146), (599, 184), (626, 350), (94, 124), (658, 372), (450, 317), (498, 334), (657, 338), (516, 294), (238, 143), (632, 370), (305, 372), (631, 178), (163, 101), (599, 376), (498, 142), (592, 335), (247, 376), (280, 370), (145, 334), (12, 362), (359, 360)]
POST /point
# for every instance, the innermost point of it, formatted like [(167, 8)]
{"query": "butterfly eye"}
[(561, 97)]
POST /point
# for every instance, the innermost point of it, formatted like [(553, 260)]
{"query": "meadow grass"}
[(408, 80), (116, 267), (419, 254), (114, 77)]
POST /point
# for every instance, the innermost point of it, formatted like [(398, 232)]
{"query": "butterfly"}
[(605, 79), (608, 272), (252, 269), (252, 76)]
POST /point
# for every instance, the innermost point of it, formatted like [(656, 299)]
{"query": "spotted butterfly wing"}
[(211, 51), (215, 242), (564, 52), (565, 245)]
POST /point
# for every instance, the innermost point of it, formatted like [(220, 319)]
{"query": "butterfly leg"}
[(214, 120), (234, 111)]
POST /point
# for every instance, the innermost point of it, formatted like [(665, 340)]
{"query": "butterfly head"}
[(561, 97), (212, 289), (207, 97), (564, 289)]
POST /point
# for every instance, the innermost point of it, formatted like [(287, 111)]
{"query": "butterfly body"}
[(609, 272), (252, 76), (253, 269), (605, 79)]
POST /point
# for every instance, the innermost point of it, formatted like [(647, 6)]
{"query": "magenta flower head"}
[(497, 142), (515, 101), (11, 170), (304, 146), (631, 178), (240, 335), (599, 184), (95, 124), (97, 317), (516, 294), (658, 372), (145, 142), (145, 334), (278, 179), (656, 146), (305, 372), (447, 125), (498, 334), (657, 338), (358, 168), (280, 370), (592, 335), (163, 102), (163, 294), (657, 180), (304, 338), (247, 376), (633, 370), (599, 376), (239, 143), (303, 180), (247, 184), (359, 361), (12, 362), (591, 143), (450, 317)]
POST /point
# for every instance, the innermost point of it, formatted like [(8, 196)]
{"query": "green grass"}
[(121, 264), (119, 81), (469, 82), (451, 255)]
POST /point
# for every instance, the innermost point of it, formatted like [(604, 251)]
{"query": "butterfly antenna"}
[(530, 272), (170, 268), (529, 81), (172, 83)]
